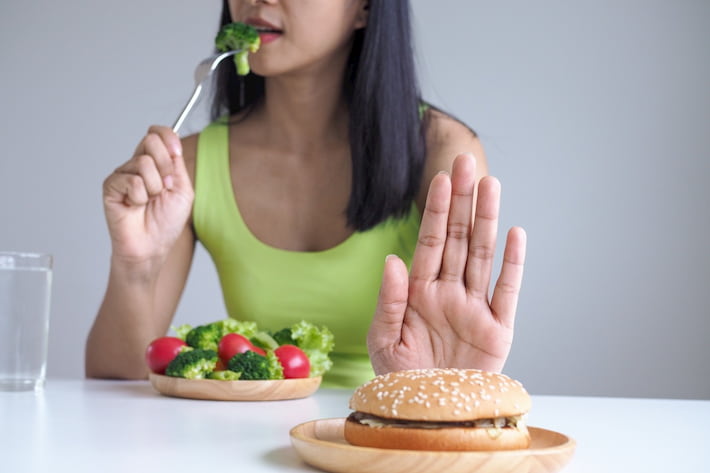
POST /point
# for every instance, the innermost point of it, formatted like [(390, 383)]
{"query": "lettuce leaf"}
[(242, 327), (276, 371), (316, 342)]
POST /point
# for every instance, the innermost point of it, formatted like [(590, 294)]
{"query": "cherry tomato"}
[(161, 352), (294, 361), (234, 343)]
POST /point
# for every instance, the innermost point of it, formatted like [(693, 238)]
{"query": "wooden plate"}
[(320, 443), (216, 390)]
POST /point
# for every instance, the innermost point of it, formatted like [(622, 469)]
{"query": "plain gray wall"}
[(595, 116)]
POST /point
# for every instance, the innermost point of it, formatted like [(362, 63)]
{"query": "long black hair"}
[(386, 133)]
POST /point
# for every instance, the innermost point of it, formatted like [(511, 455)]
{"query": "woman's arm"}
[(446, 138), (138, 307), (147, 202)]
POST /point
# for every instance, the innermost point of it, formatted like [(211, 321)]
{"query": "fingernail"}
[(168, 182), (446, 173), (176, 150), (468, 153)]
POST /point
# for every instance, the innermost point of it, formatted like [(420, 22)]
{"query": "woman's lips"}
[(268, 32), (267, 37)]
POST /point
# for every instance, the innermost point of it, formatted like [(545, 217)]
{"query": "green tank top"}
[(337, 287)]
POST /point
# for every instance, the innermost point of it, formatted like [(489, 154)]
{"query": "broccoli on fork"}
[(238, 37), (192, 364)]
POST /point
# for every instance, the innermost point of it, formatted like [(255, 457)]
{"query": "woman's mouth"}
[(268, 35), (267, 32)]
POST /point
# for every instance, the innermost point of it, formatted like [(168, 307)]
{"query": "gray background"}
[(594, 115)]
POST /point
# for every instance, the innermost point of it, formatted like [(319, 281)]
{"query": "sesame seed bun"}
[(440, 409)]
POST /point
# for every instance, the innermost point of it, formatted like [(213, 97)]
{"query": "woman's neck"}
[(305, 112)]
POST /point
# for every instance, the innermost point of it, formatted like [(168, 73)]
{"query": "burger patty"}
[(512, 422)]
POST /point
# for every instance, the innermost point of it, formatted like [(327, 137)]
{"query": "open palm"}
[(441, 315)]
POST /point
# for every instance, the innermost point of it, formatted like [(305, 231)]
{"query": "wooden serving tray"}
[(320, 443), (216, 390)]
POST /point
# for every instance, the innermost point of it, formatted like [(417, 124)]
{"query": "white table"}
[(124, 426)]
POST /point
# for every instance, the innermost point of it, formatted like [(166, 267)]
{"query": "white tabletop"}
[(118, 426)]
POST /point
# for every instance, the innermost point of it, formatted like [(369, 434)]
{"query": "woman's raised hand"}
[(441, 315), (148, 200)]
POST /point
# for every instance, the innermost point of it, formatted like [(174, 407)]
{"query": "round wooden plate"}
[(216, 390), (321, 444)]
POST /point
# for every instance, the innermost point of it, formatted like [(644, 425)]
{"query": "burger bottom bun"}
[(445, 439)]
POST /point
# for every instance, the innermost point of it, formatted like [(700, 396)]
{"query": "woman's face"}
[(299, 34)]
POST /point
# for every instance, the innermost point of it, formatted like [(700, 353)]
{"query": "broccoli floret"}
[(283, 337), (192, 364), (205, 337), (224, 375), (251, 365), (208, 336), (241, 38)]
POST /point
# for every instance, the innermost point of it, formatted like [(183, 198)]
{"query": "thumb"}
[(386, 327)]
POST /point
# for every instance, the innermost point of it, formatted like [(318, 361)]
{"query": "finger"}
[(504, 302), (163, 144), (154, 145), (426, 262), (178, 174), (145, 166), (125, 188), (167, 136), (463, 181), (180, 179), (386, 327), (170, 138), (148, 171), (481, 248)]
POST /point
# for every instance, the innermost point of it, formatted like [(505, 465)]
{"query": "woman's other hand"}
[(441, 315), (148, 200)]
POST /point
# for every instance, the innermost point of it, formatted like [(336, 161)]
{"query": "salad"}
[(231, 349)]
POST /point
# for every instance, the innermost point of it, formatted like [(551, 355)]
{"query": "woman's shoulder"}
[(189, 143), (189, 153), (447, 135), (446, 138)]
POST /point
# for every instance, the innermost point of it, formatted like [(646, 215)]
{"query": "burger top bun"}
[(441, 394)]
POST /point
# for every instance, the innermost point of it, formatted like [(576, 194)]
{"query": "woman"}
[(325, 168)]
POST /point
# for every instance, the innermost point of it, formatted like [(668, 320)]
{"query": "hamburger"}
[(439, 409)]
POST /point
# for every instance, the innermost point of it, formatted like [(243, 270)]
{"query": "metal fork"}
[(203, 70)]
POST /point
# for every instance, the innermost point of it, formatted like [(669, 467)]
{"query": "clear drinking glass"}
[(25, 291)]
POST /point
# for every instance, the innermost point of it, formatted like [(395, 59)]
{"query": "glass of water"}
[(25, 289)]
